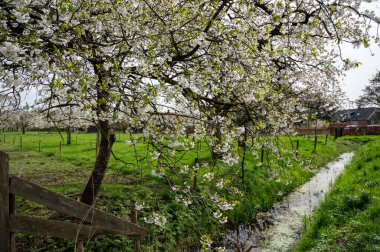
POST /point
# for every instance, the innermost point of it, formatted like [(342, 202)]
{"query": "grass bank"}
[(349, 218), (265, 183)]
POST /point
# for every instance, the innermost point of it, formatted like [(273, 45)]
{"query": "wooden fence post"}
[(315, 144), (134, 219), (195, 175), (262, 154), (5, 234), (12, 211), (60, 151)]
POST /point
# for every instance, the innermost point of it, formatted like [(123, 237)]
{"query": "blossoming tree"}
[(230, 67)]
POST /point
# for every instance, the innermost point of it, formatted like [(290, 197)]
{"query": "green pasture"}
[(263, 185)]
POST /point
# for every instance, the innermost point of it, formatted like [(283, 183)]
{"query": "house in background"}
[(360, 121), (361, 117)]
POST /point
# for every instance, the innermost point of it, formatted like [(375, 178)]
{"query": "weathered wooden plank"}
[(12, 210), (134, 219), (41, 227), (71, 207), (5, 238)]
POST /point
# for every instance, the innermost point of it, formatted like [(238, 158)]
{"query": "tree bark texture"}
[(217, 137), (68, 133), (107, 139)]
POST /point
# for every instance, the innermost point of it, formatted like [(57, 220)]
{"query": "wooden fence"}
[(93, 222)]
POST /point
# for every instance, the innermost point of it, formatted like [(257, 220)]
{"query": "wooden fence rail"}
[(93, 222)]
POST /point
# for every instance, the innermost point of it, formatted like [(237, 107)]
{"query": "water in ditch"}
[(281, 227)]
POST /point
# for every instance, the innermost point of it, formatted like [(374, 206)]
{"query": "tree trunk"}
[(106, 141), (315, 137), (243, 160), (217, 142), (68, 134), (93, 185)]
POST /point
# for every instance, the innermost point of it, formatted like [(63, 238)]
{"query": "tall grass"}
[(263, 184), (349, 218)]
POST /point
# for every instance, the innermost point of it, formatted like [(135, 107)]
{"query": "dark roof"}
[(359, 114)]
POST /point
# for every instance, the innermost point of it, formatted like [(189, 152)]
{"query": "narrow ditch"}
[(281, 227)]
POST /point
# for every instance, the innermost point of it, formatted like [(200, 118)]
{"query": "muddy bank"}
[(280, 228)]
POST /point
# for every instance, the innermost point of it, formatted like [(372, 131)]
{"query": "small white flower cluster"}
[(208, 176), (184, 200), (221, 148), (21, 17), (140, 206), (230, 159), (222, 203), (206, 242), (155, 155), (11, 51), (219, 216), (236, 191), (157, 173), (157, 219), (220, 184), (185, 169), (174, 144), (200, 40), (199, 131), (130, 142), (239, 131), (273, 175), (220, 249), (174, 188), (196, 167)]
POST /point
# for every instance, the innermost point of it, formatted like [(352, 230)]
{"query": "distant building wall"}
[(361, 131), (347, 130)]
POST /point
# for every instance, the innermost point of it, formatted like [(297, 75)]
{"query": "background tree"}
[(67, 119), (371, 94)]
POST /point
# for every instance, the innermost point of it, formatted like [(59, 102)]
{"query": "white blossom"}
[(208, 176)]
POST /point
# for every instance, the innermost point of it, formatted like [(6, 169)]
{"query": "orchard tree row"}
[(233, 70)]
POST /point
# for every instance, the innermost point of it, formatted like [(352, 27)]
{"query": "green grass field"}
[(126, 183), (349, 218)]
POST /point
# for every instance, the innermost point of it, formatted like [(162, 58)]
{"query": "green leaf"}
[(78, 31), (71, 8), (276, 19), (339, 24), (314, 51), (365, 42)]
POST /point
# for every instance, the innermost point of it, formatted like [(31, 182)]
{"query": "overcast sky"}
[(356, 79)]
